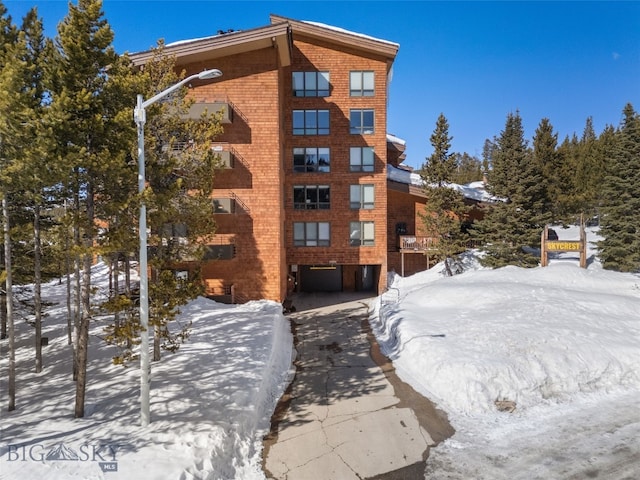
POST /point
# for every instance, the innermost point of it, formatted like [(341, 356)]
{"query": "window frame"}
[(358, 114), (219, 205), (359, 80), (311, 83), (312, 197), (360, 202), (314, 122), (362, 228), (322, 237), (306, 152), (363, 164)]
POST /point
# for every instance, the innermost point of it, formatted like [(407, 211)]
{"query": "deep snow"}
[(562, 343)]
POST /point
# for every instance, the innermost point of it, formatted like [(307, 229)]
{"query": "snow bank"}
[(514, 334), (211, 402)]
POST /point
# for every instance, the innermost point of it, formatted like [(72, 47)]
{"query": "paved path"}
[(346, 415)]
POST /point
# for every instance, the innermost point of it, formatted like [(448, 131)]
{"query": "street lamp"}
[(139, 116)]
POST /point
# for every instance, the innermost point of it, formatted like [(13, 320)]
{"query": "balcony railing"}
[(416, 243)]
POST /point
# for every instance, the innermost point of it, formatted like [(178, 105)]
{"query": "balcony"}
[(222, 107), (416, 244), (226, 158)]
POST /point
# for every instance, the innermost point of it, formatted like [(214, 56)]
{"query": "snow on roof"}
[(393, 139), (473, 191), (342, 30), (191, 40)]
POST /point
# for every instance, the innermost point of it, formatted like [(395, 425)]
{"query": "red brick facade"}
[(257, 86)]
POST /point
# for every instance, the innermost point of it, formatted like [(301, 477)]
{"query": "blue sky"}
[(475, 62)]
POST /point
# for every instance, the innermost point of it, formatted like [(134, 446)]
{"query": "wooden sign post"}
[(547, 246)]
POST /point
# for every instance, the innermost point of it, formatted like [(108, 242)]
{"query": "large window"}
[(310, 84), (311, 159), (362, 234), (361, 197), (311, 197), (362, 122), (361, 159), (361, 84), (311, 122), (311, 234)]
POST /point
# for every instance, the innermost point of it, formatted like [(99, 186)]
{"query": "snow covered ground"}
[(211, 402), (561, 343)]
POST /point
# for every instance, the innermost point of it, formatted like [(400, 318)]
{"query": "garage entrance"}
[(321, 279), (338, 278)]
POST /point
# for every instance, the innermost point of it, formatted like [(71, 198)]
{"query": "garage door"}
[(321, 279)]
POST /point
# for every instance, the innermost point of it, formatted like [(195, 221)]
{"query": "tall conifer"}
[(514, 222), (620, 221), (444, 208), (81, 75)]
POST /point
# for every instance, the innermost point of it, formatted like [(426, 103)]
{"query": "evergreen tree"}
[(568, 201), (515, 222), (79, 81), (545, 143), (620, 220), (180, 172), (589, 173), (12, 116), (444, 209), (487, 155), (468, 169)]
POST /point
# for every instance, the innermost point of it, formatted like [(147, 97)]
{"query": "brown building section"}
[(283, 226)]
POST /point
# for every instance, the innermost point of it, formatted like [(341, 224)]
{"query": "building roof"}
[(472, 191), (342, 37), (187, 51), (279, 34)]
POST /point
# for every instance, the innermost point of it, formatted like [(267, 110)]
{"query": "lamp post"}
[(139, 116)]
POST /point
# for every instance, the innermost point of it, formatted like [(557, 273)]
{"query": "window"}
[(311, 122), (311, 159), (362, 234), (310, 84), (361, 159), (311, 234), (219, 252), (311, 197), (174, 230), (223, 205), (174, 234), (362, 122), (181, 275), (361, 196), (361, 84)]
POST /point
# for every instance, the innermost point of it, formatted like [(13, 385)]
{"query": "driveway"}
[(346, 415)]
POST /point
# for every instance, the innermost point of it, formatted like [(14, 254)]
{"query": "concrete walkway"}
[(346, 415)]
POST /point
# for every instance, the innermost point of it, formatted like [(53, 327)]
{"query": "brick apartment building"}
[(305, 203)]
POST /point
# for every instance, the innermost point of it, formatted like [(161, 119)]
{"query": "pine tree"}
[(468, 169), (568, 200), (620, 220), (182, 168), (180, 172), (545, 154), (512, 226), (79, 82), (12, 116), (444, 208)]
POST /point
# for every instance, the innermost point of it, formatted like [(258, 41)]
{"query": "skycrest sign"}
[(547, 246)]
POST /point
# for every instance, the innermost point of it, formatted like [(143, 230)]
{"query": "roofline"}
[(277, 35), (361, 42)]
